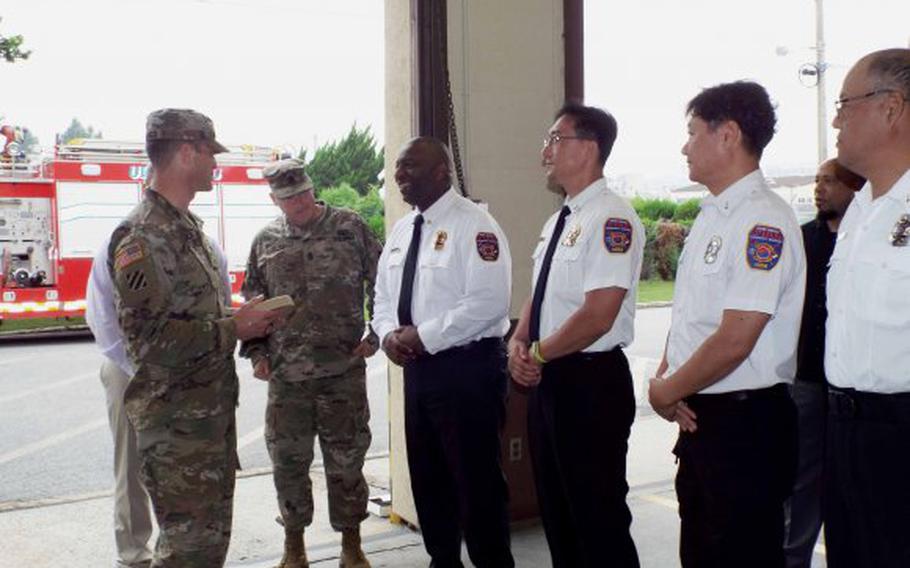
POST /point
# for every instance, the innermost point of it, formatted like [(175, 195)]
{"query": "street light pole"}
[(822, 69)]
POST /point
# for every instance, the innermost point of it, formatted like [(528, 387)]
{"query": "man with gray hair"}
[(867, 355), (324, 258), (180, 337)]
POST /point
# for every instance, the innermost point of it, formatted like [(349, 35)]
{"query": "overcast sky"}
[(300, 72), (646, 60), (268, 72)]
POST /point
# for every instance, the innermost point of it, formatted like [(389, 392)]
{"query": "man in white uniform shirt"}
[(867, 354), (731, 349), (441, 310), (132, 512), (568, 348)]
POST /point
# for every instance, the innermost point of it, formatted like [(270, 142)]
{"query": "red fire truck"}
[(55, 211)]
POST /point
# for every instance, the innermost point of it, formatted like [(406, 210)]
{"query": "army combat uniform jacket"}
[(328, 267), (173, 311)]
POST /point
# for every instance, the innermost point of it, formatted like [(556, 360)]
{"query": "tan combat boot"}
[(294, 551), (351, 554)]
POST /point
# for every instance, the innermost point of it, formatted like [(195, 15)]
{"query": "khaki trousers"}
[(132, 512)]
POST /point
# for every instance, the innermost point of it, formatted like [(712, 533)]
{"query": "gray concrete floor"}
[(78, 533)]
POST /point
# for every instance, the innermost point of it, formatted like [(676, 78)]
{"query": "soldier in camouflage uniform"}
[(325, 259), (171, 305)]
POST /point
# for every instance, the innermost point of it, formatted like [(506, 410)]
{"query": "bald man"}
[(867, 354), (442, 308)]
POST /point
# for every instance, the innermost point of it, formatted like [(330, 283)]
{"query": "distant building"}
[(797, 190)]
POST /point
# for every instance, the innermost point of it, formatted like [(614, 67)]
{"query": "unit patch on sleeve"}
[(764, 247), (617, 234), (487, 246), (136, 280)]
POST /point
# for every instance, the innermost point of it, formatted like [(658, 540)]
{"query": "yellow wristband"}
[(536, 354)]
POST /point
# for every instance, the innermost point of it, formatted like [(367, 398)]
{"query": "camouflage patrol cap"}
[(287, 178), (181, 124)]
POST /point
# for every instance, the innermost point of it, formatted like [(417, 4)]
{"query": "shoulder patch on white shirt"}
[(487, 246), (617, 235), (764, 247)]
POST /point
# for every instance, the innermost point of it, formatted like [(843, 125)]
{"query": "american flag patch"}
[(128, 255)]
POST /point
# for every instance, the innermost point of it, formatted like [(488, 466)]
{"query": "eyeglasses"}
[(840, 103), (556, 138)]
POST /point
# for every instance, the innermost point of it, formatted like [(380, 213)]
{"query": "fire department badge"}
[(128, 255), (440, 242), (572, 236), (617, 235), (764, 247), (713, 249), (487, 246), (900, 233)]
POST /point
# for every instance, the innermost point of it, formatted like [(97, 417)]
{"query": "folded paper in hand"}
[(277, 303)]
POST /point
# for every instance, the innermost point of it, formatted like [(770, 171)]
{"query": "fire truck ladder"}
[(130, 152)]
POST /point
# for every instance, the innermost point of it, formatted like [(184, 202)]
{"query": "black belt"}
[(878, 407), (585, 356), (769, 393), (485, 343)]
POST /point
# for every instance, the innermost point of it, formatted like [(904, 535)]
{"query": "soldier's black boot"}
[(351, 553), (294, 551)]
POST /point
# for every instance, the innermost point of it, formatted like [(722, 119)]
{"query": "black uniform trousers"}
[(579, 419), (735, 472), (803, 510), (867, 480), (454, 413)]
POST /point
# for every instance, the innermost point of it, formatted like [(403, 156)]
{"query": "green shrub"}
[(687, 210), (368, 206), (647, 264), (654, 209)]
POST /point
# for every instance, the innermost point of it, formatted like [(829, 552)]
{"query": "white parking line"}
[(251, 438), (52, 440), (51, 386)]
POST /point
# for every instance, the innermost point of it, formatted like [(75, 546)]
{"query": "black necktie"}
[(406, 296), (541, 287)]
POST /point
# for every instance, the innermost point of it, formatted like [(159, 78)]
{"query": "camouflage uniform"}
[(316, 387), (171, 306)]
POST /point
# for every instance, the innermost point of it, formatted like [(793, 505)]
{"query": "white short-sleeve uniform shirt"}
[(868, 329), (601, 246), (744, 252)]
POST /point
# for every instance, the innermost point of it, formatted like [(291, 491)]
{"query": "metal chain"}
[(453, 129)]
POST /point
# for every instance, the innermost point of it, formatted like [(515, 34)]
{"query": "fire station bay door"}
[(507, 61)]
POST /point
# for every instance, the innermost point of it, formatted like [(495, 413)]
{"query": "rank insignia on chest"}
[(440, 241), (572, 236), (900, 233), (764, 247), (487, 246), (713, 248), (617, 235)]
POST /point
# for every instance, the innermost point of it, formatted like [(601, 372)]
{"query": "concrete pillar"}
[(506, 61)]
